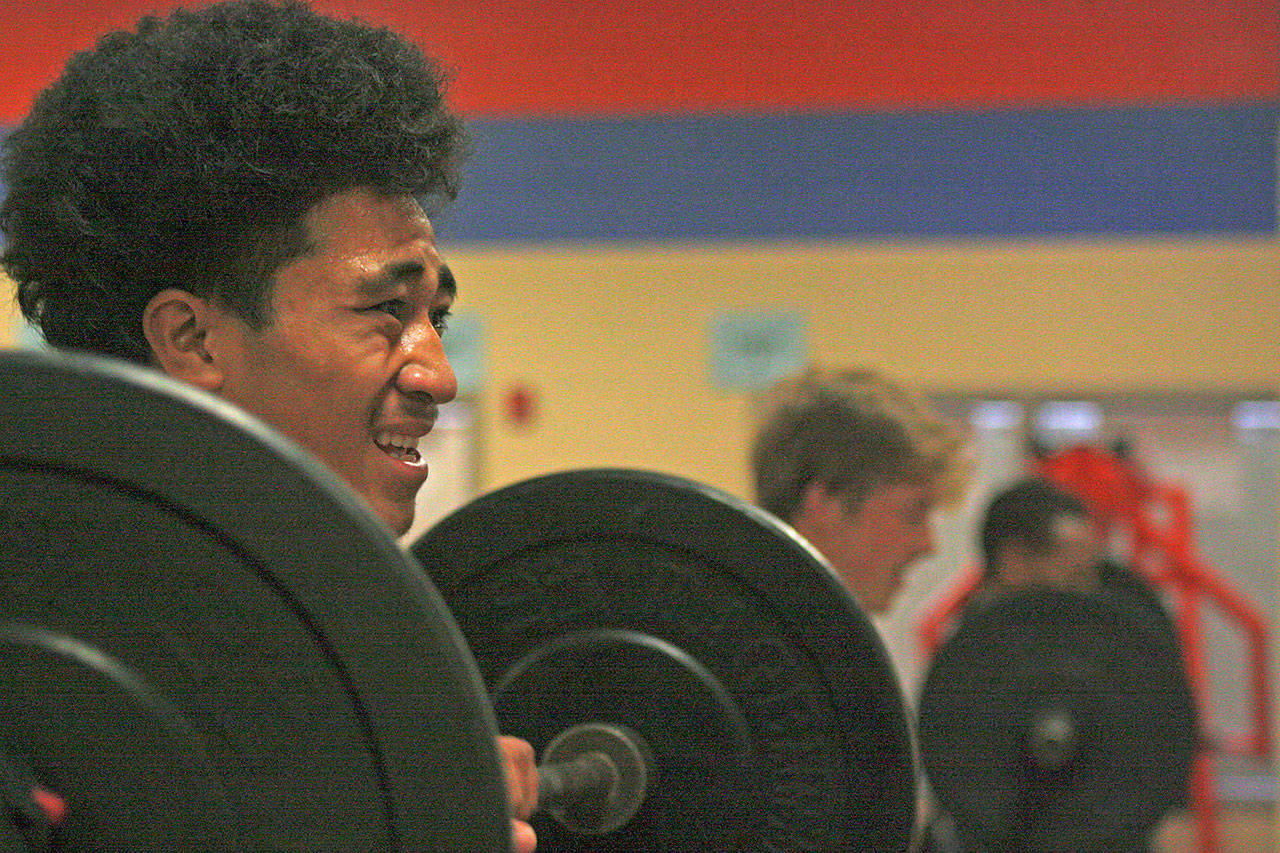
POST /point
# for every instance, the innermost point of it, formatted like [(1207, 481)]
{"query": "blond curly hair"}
[(851, 431)]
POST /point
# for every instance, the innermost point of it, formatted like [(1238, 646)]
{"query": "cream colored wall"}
[(613, 341), (8, 313)]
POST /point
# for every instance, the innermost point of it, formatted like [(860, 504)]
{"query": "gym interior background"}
[(1058, 220)]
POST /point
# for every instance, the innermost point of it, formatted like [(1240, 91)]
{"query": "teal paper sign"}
[(464, 345), (30, 337), (751, 351)]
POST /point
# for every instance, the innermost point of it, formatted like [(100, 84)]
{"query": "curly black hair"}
[(187, 153)]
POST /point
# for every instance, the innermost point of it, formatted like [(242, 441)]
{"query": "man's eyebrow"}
[(374, 283), (447, 284)]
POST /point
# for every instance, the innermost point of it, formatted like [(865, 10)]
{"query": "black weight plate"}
[(115, 736), (738, 642), (1104, 665), (183, 585), (694, 733)]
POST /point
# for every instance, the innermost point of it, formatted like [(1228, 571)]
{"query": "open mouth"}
[(402, 447)]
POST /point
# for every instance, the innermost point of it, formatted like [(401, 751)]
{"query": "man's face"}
[(1070, 562), (871, 545), (350, 363)]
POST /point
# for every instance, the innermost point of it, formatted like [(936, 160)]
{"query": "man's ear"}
[(820, 507), (177, 325)]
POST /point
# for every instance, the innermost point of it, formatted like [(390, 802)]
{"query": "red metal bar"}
[(1121, 495), (1204, 796), (1208, 584), (940, 614)]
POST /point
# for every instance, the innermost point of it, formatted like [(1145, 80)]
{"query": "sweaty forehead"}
[(364, 221)]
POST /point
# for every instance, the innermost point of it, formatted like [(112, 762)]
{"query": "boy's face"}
[(873, 544), (349, 363), (1069, 562)]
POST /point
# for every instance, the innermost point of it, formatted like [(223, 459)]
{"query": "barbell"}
[(208, 642), (762, 691)]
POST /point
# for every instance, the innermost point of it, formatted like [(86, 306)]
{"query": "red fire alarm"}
[(520, 405)]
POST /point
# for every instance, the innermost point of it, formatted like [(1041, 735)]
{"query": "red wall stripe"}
[(610, 57)]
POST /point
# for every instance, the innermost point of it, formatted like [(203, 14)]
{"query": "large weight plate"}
[(208, 642), (1057, 722), (700, 622)]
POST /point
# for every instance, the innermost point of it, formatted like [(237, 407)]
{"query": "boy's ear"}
[(819, 507), (177, 325)]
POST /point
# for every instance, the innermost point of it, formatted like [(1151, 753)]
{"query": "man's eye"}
[(440, 320), (397, 308)]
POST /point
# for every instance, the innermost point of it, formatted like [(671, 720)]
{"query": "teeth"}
[(402, 447), (404, 442)]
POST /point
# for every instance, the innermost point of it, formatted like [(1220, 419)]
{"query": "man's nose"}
[(426, 370)]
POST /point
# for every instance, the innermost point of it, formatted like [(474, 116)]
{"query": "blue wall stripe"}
[(1089, 172), (1167, 170)]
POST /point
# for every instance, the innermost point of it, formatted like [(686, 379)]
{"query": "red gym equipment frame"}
[(1155, 519)]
